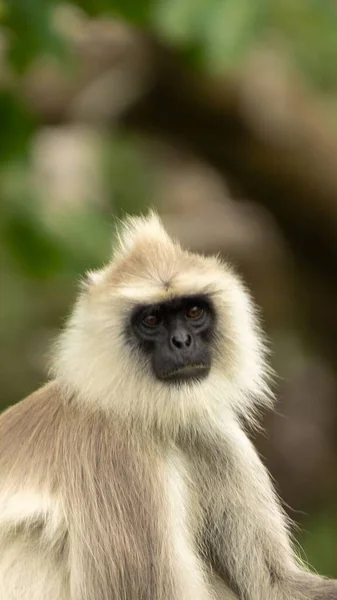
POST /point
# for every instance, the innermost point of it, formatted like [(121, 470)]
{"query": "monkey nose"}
[(181, 339)]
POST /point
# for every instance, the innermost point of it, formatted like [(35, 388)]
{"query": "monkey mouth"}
[(186, 373)]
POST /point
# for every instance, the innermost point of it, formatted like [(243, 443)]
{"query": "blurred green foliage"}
[(220, 32), (216, 35), (32, 34), (318, 540), (16, 126)]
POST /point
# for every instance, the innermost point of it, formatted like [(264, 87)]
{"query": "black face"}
[(177, 336)]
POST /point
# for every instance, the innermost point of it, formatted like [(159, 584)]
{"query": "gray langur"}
[(130, 476)]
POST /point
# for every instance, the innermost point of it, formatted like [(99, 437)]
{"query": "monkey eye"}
[(151, 320), (194, 312)]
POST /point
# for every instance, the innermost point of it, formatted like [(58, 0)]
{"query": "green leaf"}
[(31, 32), (85, 237), (181, 21), (308, 31), (30, 245), (16, 126), (129, 194), (231, 28), (318, 539), (223, 29), (135, 11), (93, 7)]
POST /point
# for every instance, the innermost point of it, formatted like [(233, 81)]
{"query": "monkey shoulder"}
[(26, 453), (28, 425)]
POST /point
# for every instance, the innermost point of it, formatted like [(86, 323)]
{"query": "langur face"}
[(177, 337)]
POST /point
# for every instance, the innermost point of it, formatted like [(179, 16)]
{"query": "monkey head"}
[(163, 333)]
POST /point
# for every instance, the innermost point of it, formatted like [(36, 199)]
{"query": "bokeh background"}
[(223, 115)]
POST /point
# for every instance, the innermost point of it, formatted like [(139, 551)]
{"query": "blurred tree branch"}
[(289, 166)]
